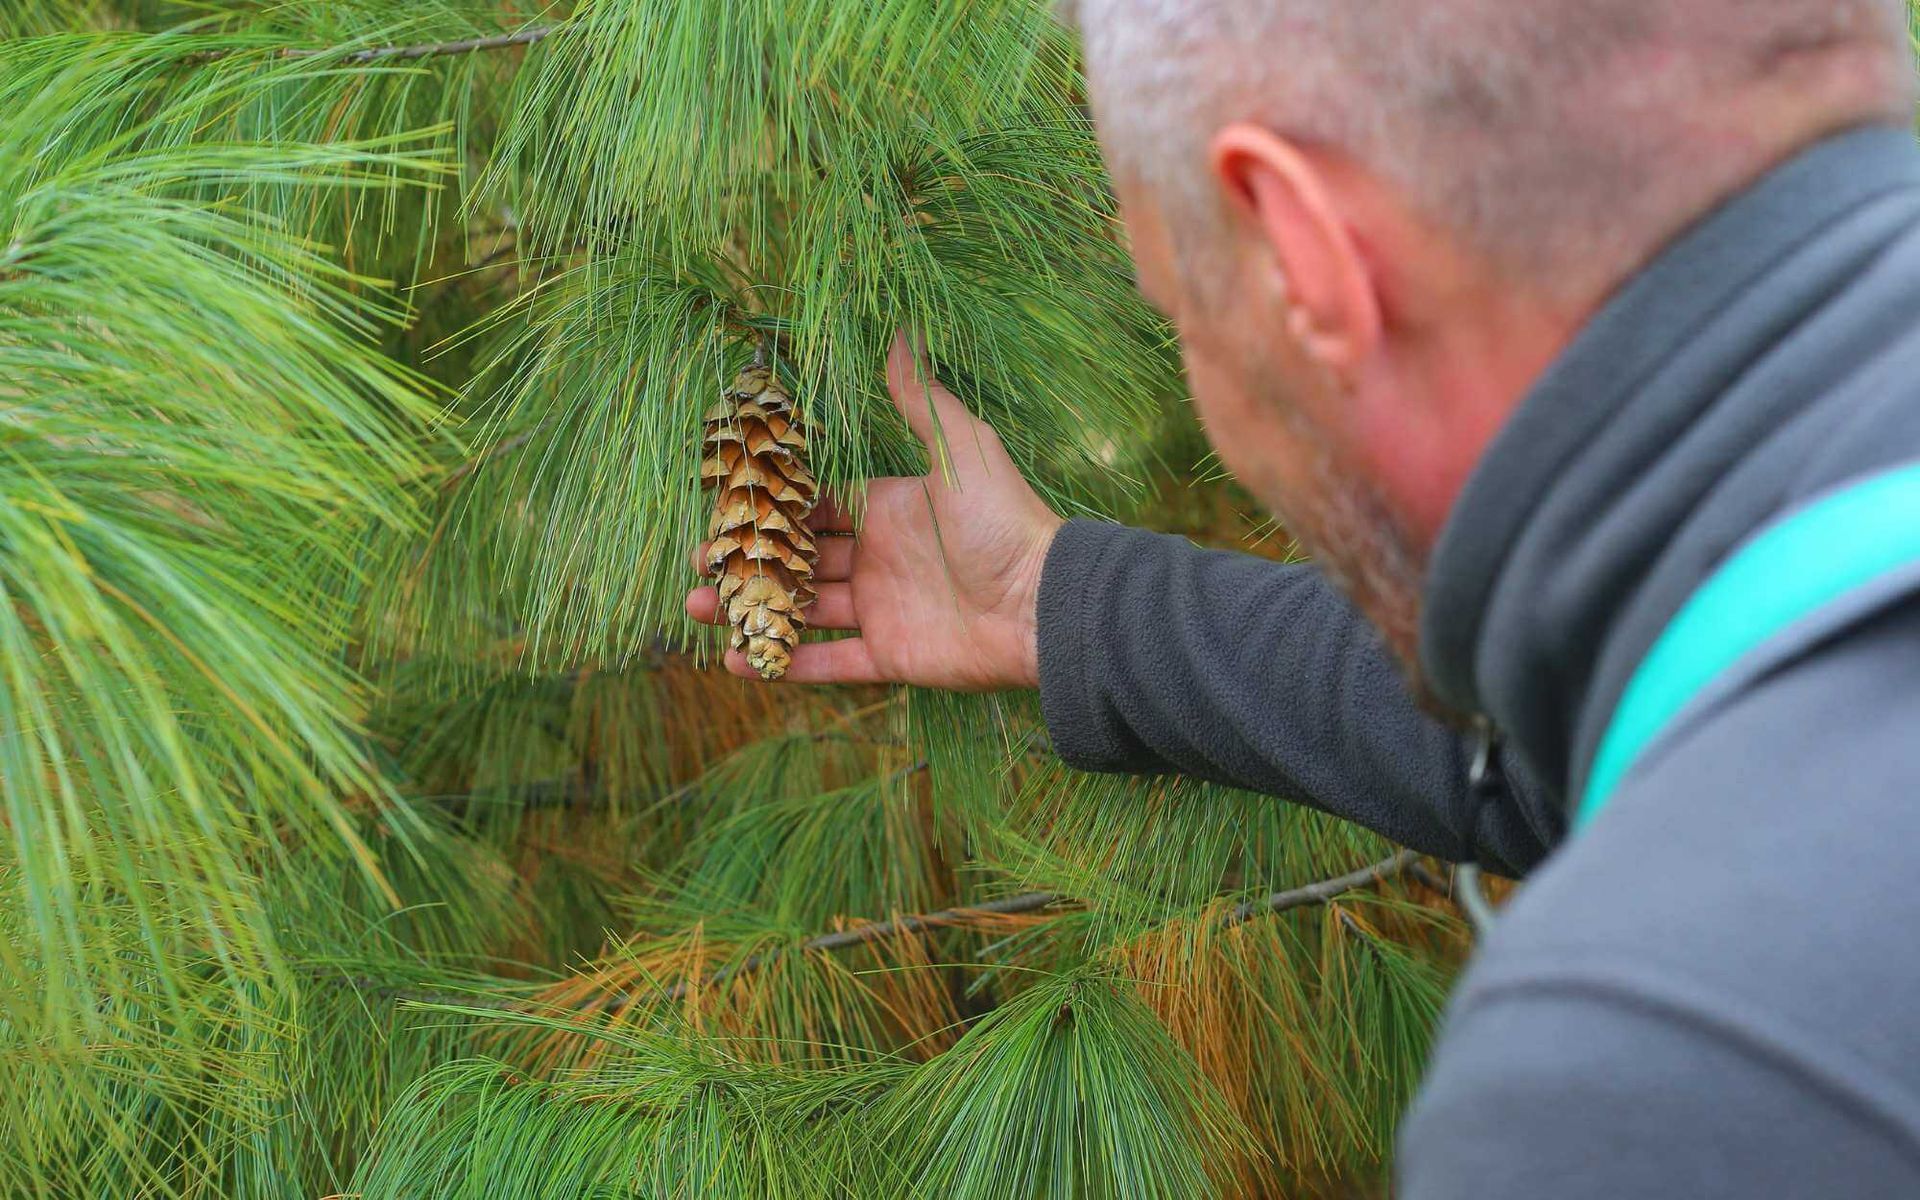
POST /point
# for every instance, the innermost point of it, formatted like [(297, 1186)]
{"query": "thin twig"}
[(1278, 902), (1427, 878), (541, 793), (842, 939), (1352, 926), (497, 41), (1360, 932), (1325, 890), (492, 453), (1027, 902)]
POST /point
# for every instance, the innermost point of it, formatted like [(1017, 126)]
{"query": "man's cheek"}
[(1215, 398), (1240, 432)]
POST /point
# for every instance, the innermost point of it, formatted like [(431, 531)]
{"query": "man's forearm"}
[(1157, 657)]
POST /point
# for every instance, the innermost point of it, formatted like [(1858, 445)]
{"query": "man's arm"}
[(1156, 656)]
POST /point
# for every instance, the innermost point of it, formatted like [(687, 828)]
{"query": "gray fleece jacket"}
[(1715, 990)]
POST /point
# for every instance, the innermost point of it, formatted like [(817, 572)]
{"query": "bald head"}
[(1565, 140)]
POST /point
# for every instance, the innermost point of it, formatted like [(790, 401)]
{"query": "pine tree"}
[(378, 825)]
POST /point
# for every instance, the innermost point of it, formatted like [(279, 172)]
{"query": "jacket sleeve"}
[(1157, 657)]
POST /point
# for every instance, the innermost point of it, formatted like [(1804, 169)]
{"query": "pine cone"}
[(762, 553)]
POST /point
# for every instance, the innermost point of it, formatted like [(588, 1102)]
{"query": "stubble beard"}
[(1336, 513), (1346, 524)]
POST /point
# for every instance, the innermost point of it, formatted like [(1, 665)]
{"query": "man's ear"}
[(1335, 307)]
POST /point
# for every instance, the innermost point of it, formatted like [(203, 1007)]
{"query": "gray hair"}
[(1566, 139)]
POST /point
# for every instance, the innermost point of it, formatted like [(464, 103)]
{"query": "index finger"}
[(931, 411), (845, 660), (828, 516)]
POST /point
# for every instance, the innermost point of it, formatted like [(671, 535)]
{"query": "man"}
[(1529, 316)]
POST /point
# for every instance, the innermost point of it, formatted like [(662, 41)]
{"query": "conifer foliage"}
[(374, 822)]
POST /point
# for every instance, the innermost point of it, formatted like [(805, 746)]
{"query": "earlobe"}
[(1295, 209)]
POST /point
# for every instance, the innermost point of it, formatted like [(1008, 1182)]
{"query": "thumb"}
[(933, 413)]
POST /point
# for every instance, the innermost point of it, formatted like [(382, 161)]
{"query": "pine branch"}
[(497, 41), (1305, 896), (1301, 897), (1427, 878), (1325, 890), (1026, 902), (540, 793), (857, 936), (498, 450)]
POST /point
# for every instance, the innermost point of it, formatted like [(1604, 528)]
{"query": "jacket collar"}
[(1625, 473)]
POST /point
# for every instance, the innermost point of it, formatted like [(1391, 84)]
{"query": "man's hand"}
[(943, 580)]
